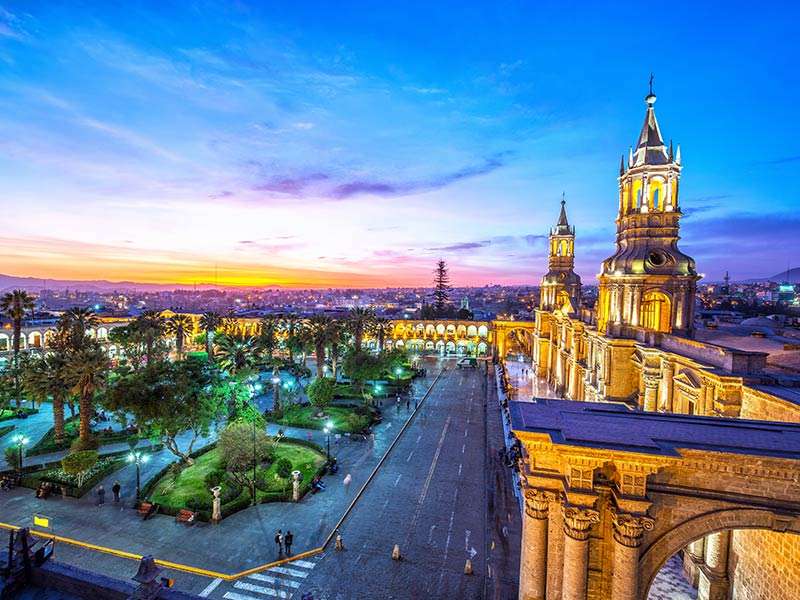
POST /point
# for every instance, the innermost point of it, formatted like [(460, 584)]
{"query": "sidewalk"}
[(242, 540)]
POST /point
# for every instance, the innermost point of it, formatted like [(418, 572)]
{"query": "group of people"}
[(284, 542), (116, 489)]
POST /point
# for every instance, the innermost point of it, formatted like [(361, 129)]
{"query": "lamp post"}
[(328, 428), (398, 371), (276, 389), (21, 441), (138, 458)]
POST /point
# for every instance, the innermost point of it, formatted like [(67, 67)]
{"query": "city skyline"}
[(313, 147)]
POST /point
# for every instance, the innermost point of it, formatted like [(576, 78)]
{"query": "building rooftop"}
[(614, 426)]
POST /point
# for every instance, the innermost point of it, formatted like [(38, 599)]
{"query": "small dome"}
[(650, 99)]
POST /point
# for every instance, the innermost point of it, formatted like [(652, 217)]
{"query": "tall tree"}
[(359, 321), (236, 355), (150, 325), (16, 305), (380, 328), (268, 335), (46, 376), (180, 326), (291, 327), (209, 323), (320, 333), (86, 372), (76, 323), (441, 288)]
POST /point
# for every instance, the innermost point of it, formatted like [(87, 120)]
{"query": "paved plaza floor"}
[(525, 386), (442, 495)]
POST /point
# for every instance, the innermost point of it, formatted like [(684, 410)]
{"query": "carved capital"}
[(537, 502), (578, 521), (629, 529)]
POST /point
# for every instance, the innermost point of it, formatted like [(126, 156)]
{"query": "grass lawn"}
[(190, 483), (345, 419)]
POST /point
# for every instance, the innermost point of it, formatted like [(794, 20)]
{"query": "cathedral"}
[(640, 346)]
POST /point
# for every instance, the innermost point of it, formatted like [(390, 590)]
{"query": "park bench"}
[(185, 516), (147, 510)]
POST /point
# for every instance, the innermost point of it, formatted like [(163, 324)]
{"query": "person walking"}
[(398, 404), (346, 482), (408, 404), (279, 542), (101, 495), (287, 541), (115, 489)]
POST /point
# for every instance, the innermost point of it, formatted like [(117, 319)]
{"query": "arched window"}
[(656, 311), (655, 199)]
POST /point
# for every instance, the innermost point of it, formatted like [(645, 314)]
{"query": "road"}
[(442, 496)]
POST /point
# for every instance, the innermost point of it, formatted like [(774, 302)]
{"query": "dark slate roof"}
[(614, 426), (650, 148)]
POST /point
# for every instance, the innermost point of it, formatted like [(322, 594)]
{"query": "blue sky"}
[(356, 143)]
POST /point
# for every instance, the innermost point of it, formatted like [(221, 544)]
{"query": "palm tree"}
[(181, 326), (77, 322), (236, 355), (291, 325), (45, 377), (268, 334), (210, 322), (150, 325), (86, 372), (359, 320), (380, 327), (15, 305), (320, 332), (337, 344)]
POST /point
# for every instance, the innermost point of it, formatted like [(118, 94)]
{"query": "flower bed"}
[(48, 442), (56, 475)]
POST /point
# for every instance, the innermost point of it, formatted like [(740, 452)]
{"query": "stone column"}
[(667, 371), (555, 549), (533, 568), (713, 581), (650, 393), (628, 533), (577, 522), (693, 559)]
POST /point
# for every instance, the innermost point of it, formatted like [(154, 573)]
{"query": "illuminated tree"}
[(441, 289), (16, 305)]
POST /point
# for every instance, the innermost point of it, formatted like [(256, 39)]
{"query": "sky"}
[(339, 144)]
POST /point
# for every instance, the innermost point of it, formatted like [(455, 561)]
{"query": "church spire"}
[(562, 218), (650, 147)]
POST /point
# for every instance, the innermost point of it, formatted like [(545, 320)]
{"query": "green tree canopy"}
[(78, 464)]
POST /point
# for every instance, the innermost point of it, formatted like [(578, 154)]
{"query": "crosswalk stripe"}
[(292, 572), (235, 596), (210, 588), (258, 589), (303, 563), (274, 580)]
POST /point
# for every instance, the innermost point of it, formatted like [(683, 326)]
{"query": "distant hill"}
[(34, 284), (792, 276)]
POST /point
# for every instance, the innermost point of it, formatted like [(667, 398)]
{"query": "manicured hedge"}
[(11, 413), (48, 443), (6, 429)]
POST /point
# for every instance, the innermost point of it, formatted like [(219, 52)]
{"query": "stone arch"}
[(450, 329), (461, 330), (683, 534), (440, 329), (35, 339), (440, 347), (399, 344), (430, 330), (483, 331), (472, 331), (5, 342), (450, 347)]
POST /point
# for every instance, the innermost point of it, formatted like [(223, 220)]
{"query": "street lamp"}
[(398, 371), (138, 458), (328, 428), (276, 390), (21, 441)]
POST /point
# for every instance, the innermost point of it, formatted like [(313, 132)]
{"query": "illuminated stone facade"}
[(636, 347)]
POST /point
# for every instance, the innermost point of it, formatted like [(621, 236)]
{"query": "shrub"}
[(230, 491), (12, 457), (214, 478), (283, 467), (79, 465), (198, 504), (79, 445), (321, 392)]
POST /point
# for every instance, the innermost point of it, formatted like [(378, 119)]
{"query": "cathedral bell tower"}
[(648, 283), (561, 286)]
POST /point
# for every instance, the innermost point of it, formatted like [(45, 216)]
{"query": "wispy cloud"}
[(402, 188)]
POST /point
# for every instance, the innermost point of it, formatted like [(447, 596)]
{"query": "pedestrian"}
[(116, 489), (398, 405), (279, 542), (408, 403), (101, 495), (346, 482), (287, 541)]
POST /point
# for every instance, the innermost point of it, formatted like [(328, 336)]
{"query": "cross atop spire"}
[(562, 227)]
